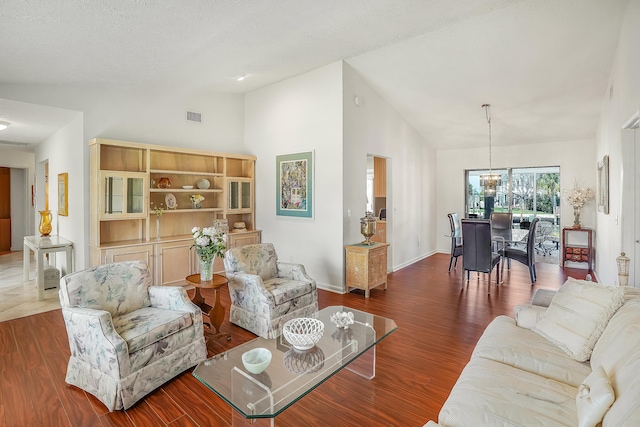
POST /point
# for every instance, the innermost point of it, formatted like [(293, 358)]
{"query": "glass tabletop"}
[(292, 373)]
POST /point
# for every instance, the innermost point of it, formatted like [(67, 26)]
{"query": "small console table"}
[(366, 266), (41, 245), (577, 246)]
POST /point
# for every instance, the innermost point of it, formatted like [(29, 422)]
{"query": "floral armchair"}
[(266, 293), (127, 337)]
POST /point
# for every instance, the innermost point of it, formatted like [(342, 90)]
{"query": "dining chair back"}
[(525, 256), (456, 239), (477, 249)]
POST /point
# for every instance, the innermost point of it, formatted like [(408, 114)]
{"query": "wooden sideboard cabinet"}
[(366, 266), (130, 179), (577, 246)]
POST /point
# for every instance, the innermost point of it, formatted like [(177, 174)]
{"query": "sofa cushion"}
[(149, 325), (595, 396), (504, 342), (618, 351), (577, 316), (527, 315), (490, 393)]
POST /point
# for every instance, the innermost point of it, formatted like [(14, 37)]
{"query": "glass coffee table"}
[(293, 373)]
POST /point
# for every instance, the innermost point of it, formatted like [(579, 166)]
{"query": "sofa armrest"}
[(175, 298), (527, 315), (94, 340), (291, 271), (251, 286)]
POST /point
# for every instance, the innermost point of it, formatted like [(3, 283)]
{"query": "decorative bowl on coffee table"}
[(303, 333)]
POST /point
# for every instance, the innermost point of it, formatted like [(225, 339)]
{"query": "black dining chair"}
[(501, 227), (526, 256), (477, 249), (456, 239)]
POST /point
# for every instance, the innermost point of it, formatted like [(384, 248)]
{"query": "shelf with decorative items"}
[(577, 246), (179, 189)]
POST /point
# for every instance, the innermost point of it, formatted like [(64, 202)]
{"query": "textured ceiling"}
[(542, 64)]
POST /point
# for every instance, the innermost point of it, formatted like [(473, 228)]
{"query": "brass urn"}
[(368, 227)]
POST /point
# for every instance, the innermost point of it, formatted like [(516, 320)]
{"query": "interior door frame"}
[(630, 197)]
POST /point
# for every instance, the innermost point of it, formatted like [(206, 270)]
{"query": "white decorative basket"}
[(303, 333)]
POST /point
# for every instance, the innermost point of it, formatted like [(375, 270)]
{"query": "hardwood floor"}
[(439, 323)]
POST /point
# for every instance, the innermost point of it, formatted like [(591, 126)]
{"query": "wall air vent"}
[(194, 117), (3, 142)]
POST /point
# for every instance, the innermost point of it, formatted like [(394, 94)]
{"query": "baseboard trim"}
[(413, 261)]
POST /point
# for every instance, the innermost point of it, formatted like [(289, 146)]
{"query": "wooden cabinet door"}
[(237, 240), (175, 262), (130, 253), (379, 177)]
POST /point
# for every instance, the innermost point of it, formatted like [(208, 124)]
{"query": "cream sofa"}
[(520, 376)]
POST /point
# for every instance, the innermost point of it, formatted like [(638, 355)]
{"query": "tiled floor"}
[(17, 297)]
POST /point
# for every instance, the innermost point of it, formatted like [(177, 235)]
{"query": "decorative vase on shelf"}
[(206, 269), (157, 227), (576, 218), (45, 223)]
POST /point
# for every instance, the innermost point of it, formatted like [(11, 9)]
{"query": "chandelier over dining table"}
[(490, 181)]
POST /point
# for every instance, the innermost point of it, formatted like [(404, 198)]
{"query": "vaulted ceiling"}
[(543, 65)]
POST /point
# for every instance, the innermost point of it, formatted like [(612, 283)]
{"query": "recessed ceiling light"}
[(241, 78), (4, 125)]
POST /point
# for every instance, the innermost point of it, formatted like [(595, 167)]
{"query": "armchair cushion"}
[(120, 289), (260, 259), (284, 290), (149, 325)]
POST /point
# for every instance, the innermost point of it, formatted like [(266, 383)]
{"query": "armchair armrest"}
[(175, 298), (251, 285), (294, 272), (94, 340), (172, 298)]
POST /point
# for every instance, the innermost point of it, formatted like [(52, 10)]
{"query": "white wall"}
[(376, 128), (625, 81), (300, 114), (150, 115), (61, 159), (576, 161)]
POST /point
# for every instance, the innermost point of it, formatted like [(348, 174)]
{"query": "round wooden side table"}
[(215, 313)]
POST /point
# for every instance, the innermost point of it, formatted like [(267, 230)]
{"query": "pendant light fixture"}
[(490, 181)]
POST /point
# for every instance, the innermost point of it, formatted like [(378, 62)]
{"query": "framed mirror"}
[(603, 185)]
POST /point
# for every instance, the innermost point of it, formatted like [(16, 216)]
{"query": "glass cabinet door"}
[(113, 195), (135, 195), (123, 195), (240, 195)]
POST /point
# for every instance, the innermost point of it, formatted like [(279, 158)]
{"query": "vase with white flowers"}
[(208, 243), (577, 197)]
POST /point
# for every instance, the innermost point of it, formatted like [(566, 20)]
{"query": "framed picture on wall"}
[(603, 185), (63, 194), (294, 186)]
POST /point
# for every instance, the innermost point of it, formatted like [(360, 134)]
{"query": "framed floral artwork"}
[(294, 174), (63, 194)]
